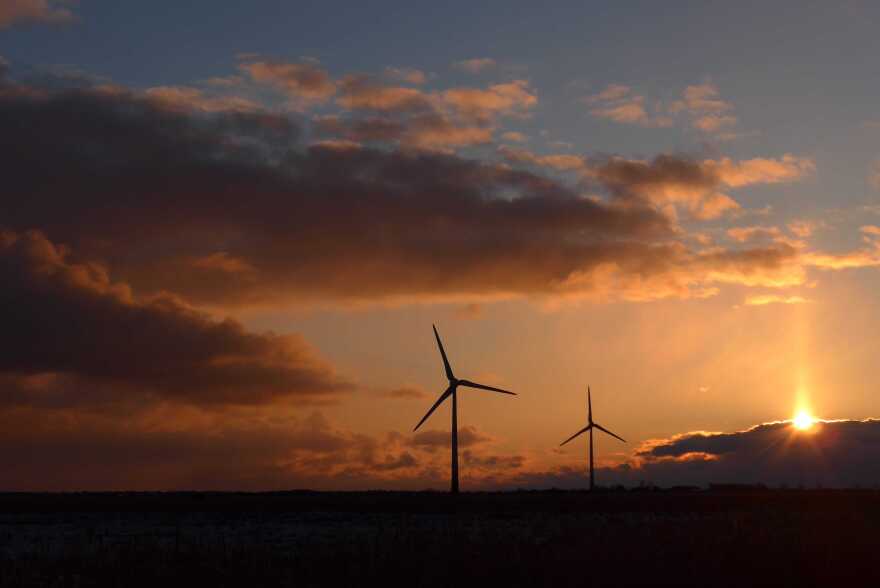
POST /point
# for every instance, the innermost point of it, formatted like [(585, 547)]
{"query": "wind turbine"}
[(454, 383), (590, 426)]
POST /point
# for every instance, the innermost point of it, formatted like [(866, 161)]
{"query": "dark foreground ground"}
[(699, 538)]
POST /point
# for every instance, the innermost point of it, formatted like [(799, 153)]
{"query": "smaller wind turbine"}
[(590, 426), (454, 383)]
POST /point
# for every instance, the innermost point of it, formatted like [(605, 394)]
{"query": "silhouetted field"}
[(717, 538)]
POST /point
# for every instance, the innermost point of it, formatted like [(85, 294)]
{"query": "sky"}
[(226, 231)]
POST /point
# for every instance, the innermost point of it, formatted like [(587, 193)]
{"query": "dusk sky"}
[(226, 229)]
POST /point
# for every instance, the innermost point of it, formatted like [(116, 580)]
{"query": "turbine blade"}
[(440, 400), (449, 375), (589, 407), (470, 384), (581, 432), (601, 428)]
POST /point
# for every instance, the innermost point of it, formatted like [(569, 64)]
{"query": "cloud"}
[(68, 329), (430, 131), (362, 93), (765, 299), (406, 74), (435, 439), (701, 103), (187, 98), (558, 162), (511, 98), (161, 450), (342, 222), (303, 81), (707, 111), (475, 65), (838, 453), (743, 234), (610, 93), (804, 228), (406, 393), (867, 256), (34, 11), (670, 182), (834, 453), (492, 463), (712, 123), (788, 168), (514, 137), (413, 119), (618, 104), (164, 448), (702, 98)]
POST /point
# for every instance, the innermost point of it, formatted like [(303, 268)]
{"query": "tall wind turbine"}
[(590, 426), (454, 383)]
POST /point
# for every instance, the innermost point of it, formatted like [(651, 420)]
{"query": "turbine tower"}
[(454, 383), (590, 426)]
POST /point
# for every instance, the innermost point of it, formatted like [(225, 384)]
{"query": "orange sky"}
[(224, 274)]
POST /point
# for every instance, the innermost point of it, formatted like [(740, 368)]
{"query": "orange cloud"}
[(360, 93), (500, 99), (514, 137), (45, 11), (712, 123), (302, 81), (765, 299), (616, 103), (788, 168), (701, 98), (559, 162)]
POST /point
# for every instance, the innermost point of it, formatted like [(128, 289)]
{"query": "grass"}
[(556, 539)]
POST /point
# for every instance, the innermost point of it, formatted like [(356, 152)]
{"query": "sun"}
[(803, 421)]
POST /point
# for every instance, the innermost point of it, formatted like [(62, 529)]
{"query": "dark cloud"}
[(833, 453), (227, 207), (165, 448), (70, 451), (694, 186), (502, 463), (435, 439), (841, 453), (155, 192), (69, 327)]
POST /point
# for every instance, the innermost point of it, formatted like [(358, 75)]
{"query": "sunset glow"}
[(227, 228), (803, 421)]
